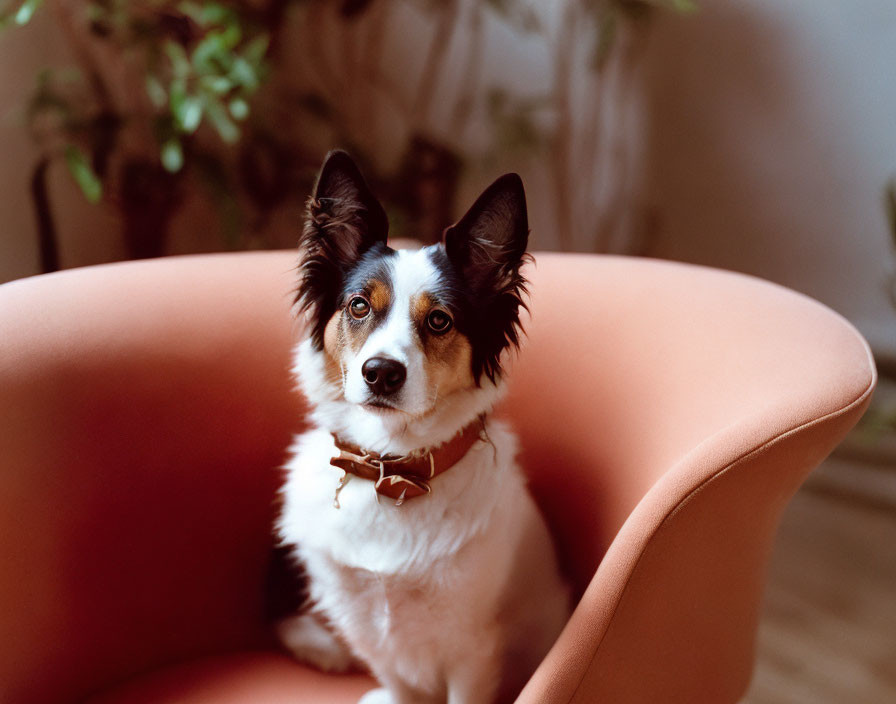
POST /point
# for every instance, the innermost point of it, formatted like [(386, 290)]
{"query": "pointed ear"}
[(343, 209), (487, 248), (488, 243), (343, 220)]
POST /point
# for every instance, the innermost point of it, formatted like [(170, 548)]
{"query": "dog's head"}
[(401, 331)]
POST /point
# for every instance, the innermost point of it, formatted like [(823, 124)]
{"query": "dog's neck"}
[(408, 476), (390, 433)]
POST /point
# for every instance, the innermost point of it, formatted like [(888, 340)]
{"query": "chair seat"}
[(256, 678)]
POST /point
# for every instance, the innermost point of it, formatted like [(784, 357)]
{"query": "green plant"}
[(890, 209), (200, 109), (200, 65)]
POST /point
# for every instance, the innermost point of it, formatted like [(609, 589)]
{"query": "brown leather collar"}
[(404, 477)]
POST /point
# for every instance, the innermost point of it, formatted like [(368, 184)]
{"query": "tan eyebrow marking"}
[(380, 295), (420, 307)]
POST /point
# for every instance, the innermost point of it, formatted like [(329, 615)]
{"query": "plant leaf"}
[(158, 96), (239, 109), (207, 13), (219, 85), (190, 114), (80, 169), (256, 49), (26, 11), (209, 51), (220, 120), (177, 96), (180, 64), (243, 74), (217, 46), (685, 7), (890, 200), (193, 10), (172, 155)]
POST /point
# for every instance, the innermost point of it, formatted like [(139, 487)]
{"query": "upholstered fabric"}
[(666, 413)]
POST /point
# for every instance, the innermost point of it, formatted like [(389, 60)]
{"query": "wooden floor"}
[(828, 634)]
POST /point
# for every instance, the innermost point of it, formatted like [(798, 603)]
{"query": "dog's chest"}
[(375, 606), (416, 588), (413, 624)]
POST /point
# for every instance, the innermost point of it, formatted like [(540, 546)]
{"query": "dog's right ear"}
[(343, 220), (343, 210)]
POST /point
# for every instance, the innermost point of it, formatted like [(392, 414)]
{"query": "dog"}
[(429, 564)]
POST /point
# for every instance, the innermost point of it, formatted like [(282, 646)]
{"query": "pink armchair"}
[(667, 414)]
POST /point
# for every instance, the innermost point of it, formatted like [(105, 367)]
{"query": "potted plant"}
[(173, 96)]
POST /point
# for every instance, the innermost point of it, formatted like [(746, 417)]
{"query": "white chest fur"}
[(416, 590)]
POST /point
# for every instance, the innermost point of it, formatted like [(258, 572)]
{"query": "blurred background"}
[(754, 136)]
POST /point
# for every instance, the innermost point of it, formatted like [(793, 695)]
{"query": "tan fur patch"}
[(340, 336), (448, 356), (448, 360), (380, 295), (355, 333), (420, 307), (334, 345)]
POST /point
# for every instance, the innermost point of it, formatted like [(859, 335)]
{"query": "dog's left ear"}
[(487, 246), (489, 241), (343, 220)]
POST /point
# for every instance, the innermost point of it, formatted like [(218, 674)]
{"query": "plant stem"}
[(43, 213), (84, 57), (562, 138)]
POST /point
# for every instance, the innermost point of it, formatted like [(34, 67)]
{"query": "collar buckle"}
[(404, 477)]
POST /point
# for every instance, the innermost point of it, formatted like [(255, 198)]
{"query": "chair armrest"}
[(144, 411), (685, 407)]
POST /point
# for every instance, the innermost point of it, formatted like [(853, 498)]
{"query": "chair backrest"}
[(667, 413)]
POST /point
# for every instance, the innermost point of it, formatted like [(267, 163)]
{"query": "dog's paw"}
[(377, 696), (311, 642)]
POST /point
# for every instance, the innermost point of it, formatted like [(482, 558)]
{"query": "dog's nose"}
[(384, 376)]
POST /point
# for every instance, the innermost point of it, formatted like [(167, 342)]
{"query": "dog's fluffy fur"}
[(454, 596)]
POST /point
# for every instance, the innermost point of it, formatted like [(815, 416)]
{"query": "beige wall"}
[(773, 133)]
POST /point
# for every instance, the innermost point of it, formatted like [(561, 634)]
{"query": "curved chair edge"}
[(582, 662)]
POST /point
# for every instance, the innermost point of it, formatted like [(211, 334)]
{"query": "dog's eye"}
[(358, 308), (438, 321)]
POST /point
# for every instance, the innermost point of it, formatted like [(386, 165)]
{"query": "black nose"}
[(384, 376)]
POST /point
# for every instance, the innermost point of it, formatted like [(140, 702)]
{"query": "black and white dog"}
[(428, 561)]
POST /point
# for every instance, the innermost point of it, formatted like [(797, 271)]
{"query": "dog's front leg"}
[(395, 693), (311, 641), (474, 681), (378, 696)]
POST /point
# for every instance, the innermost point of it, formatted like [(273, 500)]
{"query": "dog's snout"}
[(384, 376)]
